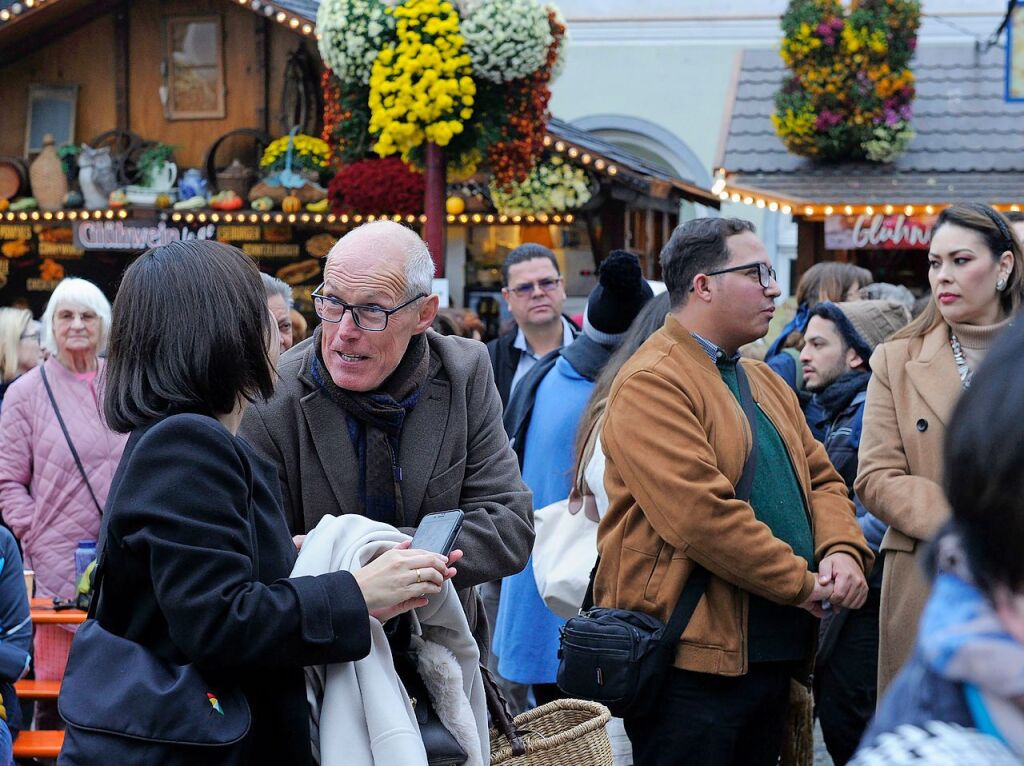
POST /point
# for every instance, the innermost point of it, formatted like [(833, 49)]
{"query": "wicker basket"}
[(566, 732)]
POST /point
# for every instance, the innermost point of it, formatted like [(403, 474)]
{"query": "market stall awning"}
[(23, 22), (626, 168), (969, 144)]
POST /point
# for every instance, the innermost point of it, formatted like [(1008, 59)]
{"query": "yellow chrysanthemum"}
[(420, 88)]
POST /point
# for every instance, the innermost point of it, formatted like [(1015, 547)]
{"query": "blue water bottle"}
[(85, 554)]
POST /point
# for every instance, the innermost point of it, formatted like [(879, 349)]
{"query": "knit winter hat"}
[(864, 324), (620, 294)]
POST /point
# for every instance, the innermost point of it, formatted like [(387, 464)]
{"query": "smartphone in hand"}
[(437, 532)]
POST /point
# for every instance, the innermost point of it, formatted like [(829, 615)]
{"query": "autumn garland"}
[(346, 119), (851, 89), (521, 139)]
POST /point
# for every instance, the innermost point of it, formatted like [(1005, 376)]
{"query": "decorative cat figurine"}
[(96, 176)]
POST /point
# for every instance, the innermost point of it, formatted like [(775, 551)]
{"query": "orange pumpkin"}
[(291, 204)]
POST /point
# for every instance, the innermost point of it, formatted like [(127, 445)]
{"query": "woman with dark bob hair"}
[(968, 665), (195, 553)]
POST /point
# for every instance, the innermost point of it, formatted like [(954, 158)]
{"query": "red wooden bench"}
[(38, 744), (31, 689), (43, 743)]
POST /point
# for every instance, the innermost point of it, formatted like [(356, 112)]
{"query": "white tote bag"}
[(564, 553)]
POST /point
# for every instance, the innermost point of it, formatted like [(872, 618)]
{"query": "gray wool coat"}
[(454, 453)]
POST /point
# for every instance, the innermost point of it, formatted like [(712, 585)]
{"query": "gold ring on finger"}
[(418, 580)]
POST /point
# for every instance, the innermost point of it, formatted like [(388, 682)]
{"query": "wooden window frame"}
[(42, 92), (171, 112)]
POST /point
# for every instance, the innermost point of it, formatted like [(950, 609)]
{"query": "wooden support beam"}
[(434, 206), (122, 64), (261, 66)]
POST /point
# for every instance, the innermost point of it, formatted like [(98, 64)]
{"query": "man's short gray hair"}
[(84, 293), (419, 266), (274, 286)]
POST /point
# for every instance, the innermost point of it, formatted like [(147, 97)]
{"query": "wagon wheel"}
[(125, 148), (260, 142)]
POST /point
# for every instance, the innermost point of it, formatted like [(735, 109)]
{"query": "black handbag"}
[(441, 746), (121, 703), (620, 657)]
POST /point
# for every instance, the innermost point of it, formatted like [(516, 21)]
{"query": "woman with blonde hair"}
[(19, 346), (976, 274)]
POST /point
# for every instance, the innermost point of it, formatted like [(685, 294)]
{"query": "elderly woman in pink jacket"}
[(48, 501)]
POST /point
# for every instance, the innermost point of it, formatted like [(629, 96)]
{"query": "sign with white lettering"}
[(878, 232), (135, 236)]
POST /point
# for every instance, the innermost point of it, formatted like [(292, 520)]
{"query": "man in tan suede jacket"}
[(676, 440)]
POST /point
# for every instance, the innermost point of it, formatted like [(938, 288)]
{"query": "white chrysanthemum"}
[(506, 39), (351, 34), (554, 186)]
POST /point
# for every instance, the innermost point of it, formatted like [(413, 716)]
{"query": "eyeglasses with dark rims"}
[(765, 273), (369, 318)]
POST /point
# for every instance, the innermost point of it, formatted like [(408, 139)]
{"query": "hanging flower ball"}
[(421, 87), (351, 33), (506, 39), (850, 90)]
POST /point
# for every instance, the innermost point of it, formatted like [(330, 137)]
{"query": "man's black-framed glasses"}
[(526, 290), (369, 318), (765, 273)]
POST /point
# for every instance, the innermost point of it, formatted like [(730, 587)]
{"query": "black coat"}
[(505, 359), (190, 577)]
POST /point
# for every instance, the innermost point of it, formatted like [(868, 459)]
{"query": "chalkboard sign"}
[(51, 109)]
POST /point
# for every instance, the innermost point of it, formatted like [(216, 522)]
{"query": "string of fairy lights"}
[(273, 12), (787, 206), (329, 219)]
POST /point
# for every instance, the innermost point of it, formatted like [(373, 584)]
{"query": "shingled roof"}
[(969, 144)]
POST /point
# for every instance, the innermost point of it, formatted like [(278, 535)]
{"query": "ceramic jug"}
[(162, 177), (192, 184), (49, 183)]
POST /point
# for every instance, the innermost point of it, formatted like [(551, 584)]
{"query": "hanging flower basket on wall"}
[(850, 91)]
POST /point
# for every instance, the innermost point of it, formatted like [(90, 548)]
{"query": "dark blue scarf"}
[(375, 420)]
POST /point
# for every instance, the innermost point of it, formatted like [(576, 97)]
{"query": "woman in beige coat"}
[(976, 273)]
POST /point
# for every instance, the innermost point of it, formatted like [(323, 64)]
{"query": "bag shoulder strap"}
[(101, 557), (697, 582), (67, 438)]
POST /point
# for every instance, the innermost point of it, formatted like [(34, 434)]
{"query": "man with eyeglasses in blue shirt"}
[(535, 294)]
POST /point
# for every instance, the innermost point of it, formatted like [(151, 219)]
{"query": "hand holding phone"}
[(437, 532)]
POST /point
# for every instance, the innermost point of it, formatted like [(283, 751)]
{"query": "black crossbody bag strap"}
[(101, 557), (67, 438), (697, 582)]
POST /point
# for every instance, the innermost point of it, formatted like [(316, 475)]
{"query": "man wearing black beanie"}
[(542, 419)]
